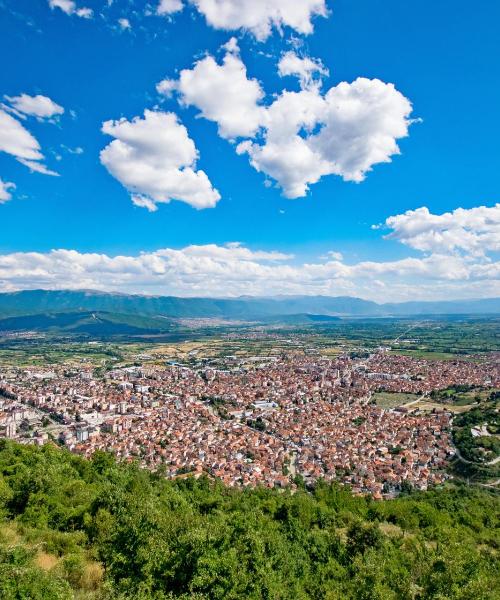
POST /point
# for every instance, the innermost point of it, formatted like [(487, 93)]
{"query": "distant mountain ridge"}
[(33, 302)]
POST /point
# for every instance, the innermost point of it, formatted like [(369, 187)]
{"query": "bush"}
[(105, 530)]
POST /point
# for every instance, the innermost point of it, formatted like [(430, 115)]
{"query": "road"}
[(472, 462), (396, 340), (419, 399)]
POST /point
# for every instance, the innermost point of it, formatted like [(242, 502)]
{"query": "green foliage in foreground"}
[(95, 529)]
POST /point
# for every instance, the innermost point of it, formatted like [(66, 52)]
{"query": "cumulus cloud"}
[(17, 141), (260, 16), (284, 154), (155, 159), (301, 136), (344, 132), (70, 8), (234, 269), (222, 92), (5, 190), (474, 231), (168, 7), (360, 127), (38, 106)]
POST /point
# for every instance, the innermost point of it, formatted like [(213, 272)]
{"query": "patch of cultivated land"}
[(431, 354), (393, 399), (429, 405)]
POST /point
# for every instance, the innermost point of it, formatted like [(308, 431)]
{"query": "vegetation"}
[(393, 399), (30, 302), (96, 529), (462, 395), (485, 418), (257, 423), (105, 339), (91, 323)]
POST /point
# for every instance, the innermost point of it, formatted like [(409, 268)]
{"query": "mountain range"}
[(32, 302)]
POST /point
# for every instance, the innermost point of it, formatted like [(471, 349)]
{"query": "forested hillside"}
[(78, 529)]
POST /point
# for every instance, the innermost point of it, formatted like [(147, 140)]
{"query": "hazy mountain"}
[(450, 307), (34, 302)]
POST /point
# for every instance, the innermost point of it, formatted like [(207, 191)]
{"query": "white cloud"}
[(168, 7), (75, 150), (260, 16), (35, 106), (70, 8), (222, 92), (166, 87), (155, 159), (124, 23), (67, 6), (305, 68), (333, 255), (344, 132), (231, 45), (233, 270), (472, 231), (85, 13), (362, 122), (286, 153), (36, 167), (16, 140), (300, 136), (5, 193)]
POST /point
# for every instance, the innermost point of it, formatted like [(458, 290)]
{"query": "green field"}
[(430, 340), (428, 354), (462, 395), (393, 399), (45, 352)]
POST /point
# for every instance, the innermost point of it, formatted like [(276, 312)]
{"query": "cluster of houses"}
[(254, 421)]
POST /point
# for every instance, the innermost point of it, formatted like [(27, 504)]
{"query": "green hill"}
[(99, 530), (90, 323)]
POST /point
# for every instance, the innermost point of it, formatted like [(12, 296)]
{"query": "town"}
[(268, 420)]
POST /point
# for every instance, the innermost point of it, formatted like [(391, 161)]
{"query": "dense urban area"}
[(371, 419), (349, 460)]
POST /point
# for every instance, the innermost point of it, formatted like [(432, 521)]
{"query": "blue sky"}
[(441, 56)]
